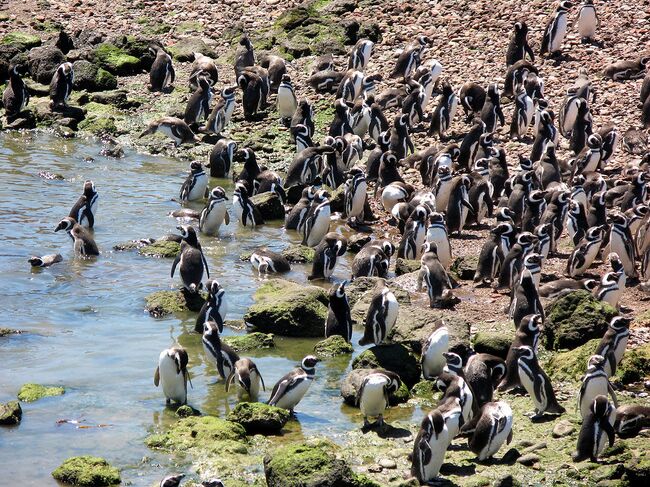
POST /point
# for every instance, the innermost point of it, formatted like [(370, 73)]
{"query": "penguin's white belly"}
[(293, 397), (570, 114), (362, 123), (198, 190), (392, 312), (359, 200), (453, 106), (438, 447), (601, 440), (613, 296), (587, 22), (319, 229), (373, 400), (618, 245), (433, 361), (591, 254), (390, 196), (419, 239), (560, 33), (167, 130), (500, 438), (596, 387), (237, 208), (213, 220), (173, 383), (442, 197), (592, 161), (528, 384), (286, 103), (439, 237)]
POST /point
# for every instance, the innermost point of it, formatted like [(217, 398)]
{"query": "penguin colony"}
[(465, 180)]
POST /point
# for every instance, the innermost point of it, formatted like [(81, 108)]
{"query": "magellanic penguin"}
[(631, 419), (45, 260), (339, 321), (518, 47), (458, 205), (215, 212), (432, 359), (247, 213), (434, 275), (161, 74), (536, 382), (613, 344), (430, 447), (372, 396), (409, 59), (15, 96), (472, 98), (221, 113), (622, 243), (437, 234), (371, 260), (525, 297), (276, 68), (292, 387), (268, 262), (609, 290), (195, 186), (173, 374), (61, 86), (205, 65), (522, 116), (381, 316), (326, 254), (512, 264), (299, 211), (219, 354), (85, 209), (83, 242), (174, 128), (215, 307), (595, 382), (244, 56), (555, 30), (491, 112), (491, 256), (415, 227), (317, 220), (453, 386), (627, 69), (360, 54), (491, 428), (527, 334), (444, 113), (172, 480), (212, 483), (483, 372), (287, 101), (304, 115), (253, 89), (247, 379), (190, 260), (585, 252), (597, 430), (587, 21), (355, 197)]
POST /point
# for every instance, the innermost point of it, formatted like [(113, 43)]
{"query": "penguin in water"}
[(215, 307), (536, 382), (269, 262), (594, 383), (172, 480), (190, 260), (83, 242), (435, 277), (555, 30), (613, 344), (587, 21), (174, 128), (85, 209), (326, 254), (215, 212), (45, 260), (317, 221), (299, 211), (360, 54), (597, 430), (432, 359), (339, 321), (528, 332), (61, 86), (381, 316), (173, 374), (221, 114), (430, 447), (247, 380), (292, 387), (518, 47), (219, 354), (287, 101), (247, 213), (16, 96), (372, 396), (195, 186), (490, 429), (212, 483), (161, 74)]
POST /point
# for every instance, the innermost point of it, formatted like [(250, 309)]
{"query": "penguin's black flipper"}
[(90, 217), (156, 377), (612, 393), (172, 73), (608, 428), (176, 261), (205, 263), (357, 399)]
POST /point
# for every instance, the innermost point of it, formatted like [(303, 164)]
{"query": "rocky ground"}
[(469, 39)]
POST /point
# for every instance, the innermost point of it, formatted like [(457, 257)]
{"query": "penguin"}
[(215, 212), (631, 419), (246, 212), (522, 115), (369, 262), (378, 123), (444, 113), (513, 260), (247, 379), (458, 207), (317, 220), (589, 158), (453, 386), (613, 344), (173, 374), (587, 21), (429, 447), (582, 128), (595, 382), (292, 387), (195, 186), (268, 262), (174, 128), (350, 87), (490, 430), (360, 115), (388, 171), (15, 96), (85, 209), (609, 290), (206, 65), (410, 246), (472, 98), (287, 101), (221, 158), (491, 111), (372, 396), (253, 94), (276, 68), (221, 113), (172, 480), (483, 372), (569, 112), (400, 141), (432, 359), (560, 287), (435, 277), (597, 430), (45, 260), (585, 252), (480, 193), (325, 81), (518, 48), (536, 382), (244, 56), (382, 315), (427, 75), (215, 307), (533, 210), (304, 115), (577, 224), (597, 214), (546, 134), (527, 334), (360, 54), (339, 321), (212, 483), (469, 145), (161, 74), (543, 232), (622, 243), (297, 215), (61, 86), (437, 234), (627, 69), (219, 354), (300, 135), (341, 123), (304, 167), (491, 255), (516, 75), (525, 297), (555, 30), (191, 259), (355, 195), (83, 242), (409, 59), (326, 254)]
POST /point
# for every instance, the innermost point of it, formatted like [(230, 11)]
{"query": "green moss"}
[(87, 471), (21, 40), (299, 254), (400, 396), (571, 365), (189, 26), (163, 248), (424, 389), (105, 80), (494, 343), (99, 125), (250, 341), (333, 346), (162, 303), (256, 417), (635, 365), (34, 392), (10, 413), (186, 411), (116, 60)]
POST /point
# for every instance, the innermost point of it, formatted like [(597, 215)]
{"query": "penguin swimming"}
[(215, 307), (381, 316), (247, 213), (219, 354), (161, 74), (83, 242), (432, 359), (268, 262), (45, 260), (326, 254), (536, 382), (247, 379), (85, 209), (597, 430), (190, 260), (490, 429), (215, 212), (174, 128), (338, 321), (61, 86), (195, 186), (172, 373), (372, 396), (292, 387)]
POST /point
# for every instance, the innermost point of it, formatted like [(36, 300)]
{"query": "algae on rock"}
[(257, 417), (34, 392), (115, 59), (21, 40), (87, 471), (250, 341), (333, 346), (162, 303), (299, 254), (10, 413), (161, 248)]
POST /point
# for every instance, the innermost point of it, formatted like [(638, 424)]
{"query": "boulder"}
[(99, 125), (162, 303), (298, 254), (637, 471), (571, 365), (357, 241), (496, 344), (21, 41), (574, 319), (43, 62), (250, 341), (289, 309), (115, 59), (116, 98), (161, 248), (90, 77), (635, 365), (185, 411), (359, 294), (10, 413), (396, 358), (352, 382), (87, 471), (405, 266), (136, 46), (183, 50), (258, 418), (34, 392), (270, 205), (464, 267), (333, 346), (7, 53)]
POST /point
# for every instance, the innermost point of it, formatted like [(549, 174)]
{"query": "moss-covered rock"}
[(43, 62), (635, 365), (494, 343), (34, 392), (183, 50), (115, 59), (351, 384), (21, 40), (162, 303), (405, 266), (289, 309), (333, 346), (464, 267), (424, 389), (638, 471), (161, 248), (299, 254), (250, 341), (10, 413), (185, 411), (574, 319), (269, 205), (90, 77), (396, 358), (357, 241), (99, 125), (572, 364), (260, 418), (87, 471)]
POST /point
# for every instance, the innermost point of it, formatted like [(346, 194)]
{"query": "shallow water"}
[(84, 319)]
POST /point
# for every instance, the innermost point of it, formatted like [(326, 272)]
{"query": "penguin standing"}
[(491, 112), (341, 122), (527, 334), (355, 197), (221, 113), (594, 383), (622, 243), (287, 101), (381, 316), (61, 86), (214, 309), (161, 74), (585, 252), (15, 96), (299, 211), (369, 262), (536, 382), (85, 209), (437, 234), (483, 372), (190, 260), (205, 65), (268, 262), (400, 140), (458, 206), (410, 246), (429, 448), (195, 186), (372, 396), (173, 374), (292, 387), (522, 115), (511, 266), (219, 354), (490, 429), (83, 242), (244, 56), (518, 47), (276, 68), (326, 254), (432, 359), (317, 221), (453, 386), (339, 321), (360, 54), (409, 59), (609, 290), (444, 113), (491, 256), (587, 21), (472, 98), (246, 212), (253, 94), (247, 380), (304, 115), (435, 277), (613, 344), (555, 30), (215, 212), (597, 430)]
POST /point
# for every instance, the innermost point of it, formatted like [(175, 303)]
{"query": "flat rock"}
[(162, 303), (250, 341), (34, 392), (258, 418), (562, 428), (528, 460), (333, 346)]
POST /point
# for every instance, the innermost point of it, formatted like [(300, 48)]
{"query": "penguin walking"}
[(195, 186), (355, 197), (15, 96), (536, 382), (595, 383), (221, 114), (174, 128), (339, 321), (430, 447), (437, 234), (269, 262), (292, 387), (215, 307), (85, 209), (613, 344), (587, 21), (444, 113), (215, 212), (246, 212), (555, 30), (247, 380), (190, 260), (372, 396), (597, 430), (326, 254), (432, 359), (490, 429), (161, 74), (287, 101), (219, 354), (317, 221), (83, 243), (434, 275), (173, 374), (527, 334), (382, 315), (518, 48), (61, 86)]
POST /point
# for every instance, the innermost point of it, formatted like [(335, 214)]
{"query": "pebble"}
[(535, 447), (387, 463), (562, 428), (528, 460)]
